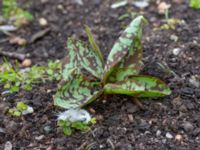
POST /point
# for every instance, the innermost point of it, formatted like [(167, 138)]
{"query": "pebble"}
[(18, 40), (8, 146), (39, 138), (168, 135), (158, 133), (141, 4), (196, 132), (130, 118), (2, 130), (176, 51), (193, 81), (29, 110), (187, 126), (43, 22), (143, 125), (131, 108), (178, 137), (174, 38), (47, 129), (26, 63)]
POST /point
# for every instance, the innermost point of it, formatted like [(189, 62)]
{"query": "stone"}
[(168, 135), (178, 137), (176, 51), (43, 22), (187, 126), (26, 63), (158, 133)]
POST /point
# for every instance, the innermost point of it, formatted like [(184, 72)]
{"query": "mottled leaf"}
[(71, 62), (126, 52), (89, 60), (81, 57), (139, 86), (77, 92), (130, 65), (93, 44)]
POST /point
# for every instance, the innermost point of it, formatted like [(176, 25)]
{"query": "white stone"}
[(169, 136), (43, 22), (158, 133), (74, 115), (176, 51)]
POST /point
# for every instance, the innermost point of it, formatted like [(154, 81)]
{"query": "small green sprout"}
[(195, 4), (86, 76), (12, 12), (21, 109), (75, 119), (14, 78)]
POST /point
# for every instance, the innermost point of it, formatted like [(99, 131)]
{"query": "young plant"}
[(14, 13), (195, 4), (86, 76), (75, 119), (13, 77), (21, 109)]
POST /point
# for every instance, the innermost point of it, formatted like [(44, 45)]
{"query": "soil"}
[(166, 123)]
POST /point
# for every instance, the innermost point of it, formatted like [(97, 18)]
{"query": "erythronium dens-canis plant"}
[(86, 76)]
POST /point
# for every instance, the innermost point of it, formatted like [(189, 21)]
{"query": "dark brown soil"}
[(172, 122)]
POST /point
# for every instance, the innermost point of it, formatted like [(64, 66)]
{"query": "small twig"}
[(19, 56), (111, 144), (138, 103)]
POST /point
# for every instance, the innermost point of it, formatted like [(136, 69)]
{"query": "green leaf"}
[(81, 57), (67, 131), (71, 61), (89, 60), (22, 106), (77, 92), (80, 126), (126, 52), (93, 44), (139, 86), (195, 4), (130, 65)]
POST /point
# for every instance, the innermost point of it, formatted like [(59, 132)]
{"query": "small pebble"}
[(47, 129), (43, 22), (193, 81), (141, 4), (188, 127), (39, 138), (130, 117), (8, 146), (174, 38), (18, 40), (178, 137), (26, 63), (158, 133), (169, 136), (176, 51)]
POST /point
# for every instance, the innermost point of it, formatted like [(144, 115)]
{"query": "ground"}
[(166, 123)]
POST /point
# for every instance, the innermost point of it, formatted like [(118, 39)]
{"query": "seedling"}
[(21, 109), (13, 77), (75, 119), (195, 4), (86, 76), (14, 13)]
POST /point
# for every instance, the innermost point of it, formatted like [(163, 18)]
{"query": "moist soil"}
[(171, 122)]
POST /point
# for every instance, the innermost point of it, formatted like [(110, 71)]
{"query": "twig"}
[(19, 56), (138, 103)]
